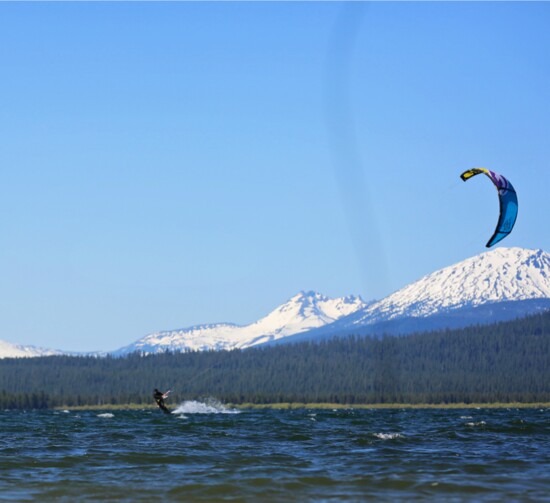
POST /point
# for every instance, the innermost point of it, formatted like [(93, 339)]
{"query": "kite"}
[(508, 203)]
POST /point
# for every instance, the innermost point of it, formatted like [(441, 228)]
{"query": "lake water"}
[(205, 452)]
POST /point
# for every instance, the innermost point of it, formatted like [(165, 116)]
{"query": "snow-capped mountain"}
[(303, 312), (497, 285), (9, 350), (504, 274)]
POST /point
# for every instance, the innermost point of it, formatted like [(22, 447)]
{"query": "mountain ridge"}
[(499, 278), (9, 350), (302, 312), (475, 281), (492, 286)]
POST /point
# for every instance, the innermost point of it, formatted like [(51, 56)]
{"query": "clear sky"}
[(171, 164)]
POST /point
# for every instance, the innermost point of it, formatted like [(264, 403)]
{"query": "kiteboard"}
[(163, 407)]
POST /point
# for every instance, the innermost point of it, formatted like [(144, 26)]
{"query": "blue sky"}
[(171, 164)]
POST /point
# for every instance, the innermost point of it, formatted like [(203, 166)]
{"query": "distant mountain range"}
[(497, 285), (9, 350), (302, 313)]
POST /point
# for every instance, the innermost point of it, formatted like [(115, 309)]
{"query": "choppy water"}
[(205, 452)]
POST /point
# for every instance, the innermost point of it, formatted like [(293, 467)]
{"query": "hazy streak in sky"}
[(351, 172)]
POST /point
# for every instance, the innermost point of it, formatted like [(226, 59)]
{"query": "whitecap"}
[(479, 423), (207, 407), (387, 436)]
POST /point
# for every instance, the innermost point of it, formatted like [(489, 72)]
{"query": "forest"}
[(503, 362)]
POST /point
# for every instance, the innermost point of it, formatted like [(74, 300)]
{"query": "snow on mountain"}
[(303, 312), (504, 283), (9, 350), (498, 285), (500, 275)]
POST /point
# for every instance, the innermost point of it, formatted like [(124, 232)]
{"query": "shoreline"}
[(327, 406)]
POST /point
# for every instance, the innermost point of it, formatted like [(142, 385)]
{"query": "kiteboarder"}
[(159, 397)]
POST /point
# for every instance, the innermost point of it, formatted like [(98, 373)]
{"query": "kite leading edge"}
[(508, 200)]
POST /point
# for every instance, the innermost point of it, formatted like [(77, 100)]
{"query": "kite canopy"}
[(508, 203)]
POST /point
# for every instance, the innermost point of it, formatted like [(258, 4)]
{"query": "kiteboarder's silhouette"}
[(159, 397)]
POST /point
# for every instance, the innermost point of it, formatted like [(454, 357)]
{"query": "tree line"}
[(504, 362)]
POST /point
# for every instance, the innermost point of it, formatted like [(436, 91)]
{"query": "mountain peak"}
[(304, 311), (500, 275), (310, 304), (514, 280), (307, 297), (9, 350)]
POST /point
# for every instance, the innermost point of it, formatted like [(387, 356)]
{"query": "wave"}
[(474, 424), (387, 436), (209, 406)]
